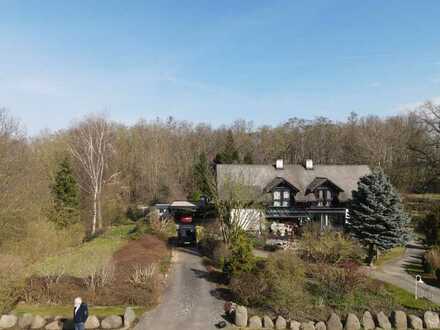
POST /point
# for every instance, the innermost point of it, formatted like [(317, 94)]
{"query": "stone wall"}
[(37, 322), (398, 320)]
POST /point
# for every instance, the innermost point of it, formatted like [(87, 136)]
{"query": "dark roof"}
[(345, 177), (318, 182), (276, 182)]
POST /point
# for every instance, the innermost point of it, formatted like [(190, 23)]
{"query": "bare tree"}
[(90, 145), (425, 139), (238, 206)]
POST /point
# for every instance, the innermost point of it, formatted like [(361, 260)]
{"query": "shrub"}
[(142, 228), (153, 224), (11, 281), (212, 246), (101, 276), (430, 226), (142, 276), (220, 254), (162, 227), (334, 282), (277, 283), (437, 274), (432, 260), (241, 258), (249, 288), (133, 213), (328, 247)]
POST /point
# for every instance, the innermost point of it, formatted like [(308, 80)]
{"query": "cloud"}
[(33, 85), (375, 84), (407, 107)]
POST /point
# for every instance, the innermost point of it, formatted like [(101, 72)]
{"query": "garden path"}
[(394, 272)]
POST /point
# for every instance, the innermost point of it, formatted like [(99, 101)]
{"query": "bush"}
[(142, 228), (241, 258), (143, 275), (432, 261), (133, 213), (212, 246), (249, 288), (163, 228), (429, 226), (11, 281), (334, 282), (277, 283), (328, 247)]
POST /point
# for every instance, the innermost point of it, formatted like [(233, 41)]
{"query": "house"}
[(295, 194)]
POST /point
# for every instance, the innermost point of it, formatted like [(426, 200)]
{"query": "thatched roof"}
[(260, 177)]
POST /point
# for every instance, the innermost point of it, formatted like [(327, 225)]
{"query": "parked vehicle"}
[(187, 235)]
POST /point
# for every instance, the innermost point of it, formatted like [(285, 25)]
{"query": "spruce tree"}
[(248, 158), (201, 175), (377, 218), (65, 194), (229, 153)]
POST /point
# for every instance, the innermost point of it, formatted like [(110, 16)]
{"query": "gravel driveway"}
[(189, 301), (394, 272)]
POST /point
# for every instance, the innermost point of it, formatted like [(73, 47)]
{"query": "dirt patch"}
[(117, 291)]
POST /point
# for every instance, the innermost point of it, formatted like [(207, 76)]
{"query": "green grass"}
[(434, 197), (390, 255), (79, 261), (66, 311), (407, 300)]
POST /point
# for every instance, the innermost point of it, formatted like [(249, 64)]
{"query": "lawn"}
[(407, 300), (434, 197), (390, 255), (76, 261), (66, 311)]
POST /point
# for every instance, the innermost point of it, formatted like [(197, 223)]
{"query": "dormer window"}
[(325, 191), (324, 197), (282, 191), (281, 198)]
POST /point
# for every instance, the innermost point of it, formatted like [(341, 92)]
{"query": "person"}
[(80, 314)]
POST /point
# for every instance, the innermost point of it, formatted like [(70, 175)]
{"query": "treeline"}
[(94, 171)]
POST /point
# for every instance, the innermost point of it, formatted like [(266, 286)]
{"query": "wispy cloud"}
[(34, 86), (407, 107), (375, 84)]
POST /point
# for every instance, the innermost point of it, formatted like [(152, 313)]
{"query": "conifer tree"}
[(377, 218), (229, 154), (201, 174), (65, 195)]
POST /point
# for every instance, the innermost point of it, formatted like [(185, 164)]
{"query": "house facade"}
[(296, 193)]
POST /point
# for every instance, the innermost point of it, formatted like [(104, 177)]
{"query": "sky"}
[(215, 61)]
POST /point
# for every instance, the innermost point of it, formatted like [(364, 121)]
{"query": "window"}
[(281, 198), (324, 197)]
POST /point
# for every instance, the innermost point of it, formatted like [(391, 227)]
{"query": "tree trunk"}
[(99, 211), (371, 254), (94, 212)]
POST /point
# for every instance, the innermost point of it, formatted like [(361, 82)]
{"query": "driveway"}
[(395, 273), (189, 301)]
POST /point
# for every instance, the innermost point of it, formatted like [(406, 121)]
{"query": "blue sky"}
[(215, 61)]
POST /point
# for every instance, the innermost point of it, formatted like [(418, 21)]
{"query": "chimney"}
[(279, 165), (309, 164)]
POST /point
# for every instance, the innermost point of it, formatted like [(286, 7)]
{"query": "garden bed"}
[(102, 274)]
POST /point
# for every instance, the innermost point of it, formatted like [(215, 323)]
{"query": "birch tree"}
[(90, 145)]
